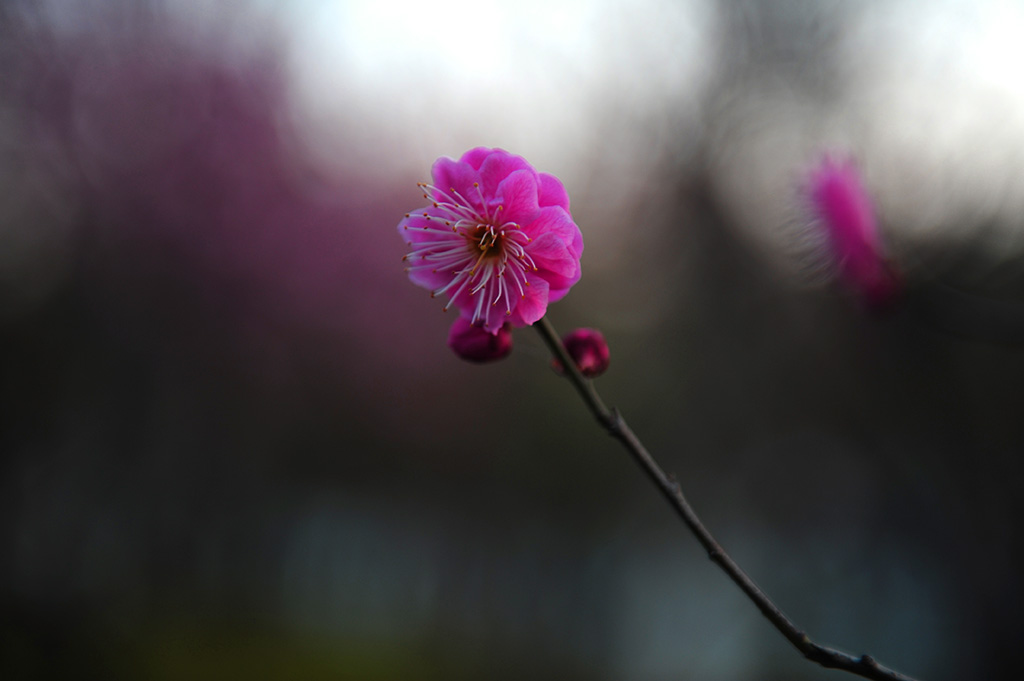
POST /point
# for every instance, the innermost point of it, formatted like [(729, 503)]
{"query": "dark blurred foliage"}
[(235, 445)]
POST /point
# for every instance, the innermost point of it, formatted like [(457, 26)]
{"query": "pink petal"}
[(533, 306), (554, 219), (518, 193), (560, 285), (556, 294), (498, 165), (429, 279), (475, 157), (552, 191), (413, 227), (411, 230), (551, 254), (495, 318), (449, 174), (492, 316)]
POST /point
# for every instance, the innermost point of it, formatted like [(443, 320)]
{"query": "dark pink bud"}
[(475, 344), (588, 349)]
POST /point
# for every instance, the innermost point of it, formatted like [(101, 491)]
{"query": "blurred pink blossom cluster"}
[(842, 209), (189, 213)]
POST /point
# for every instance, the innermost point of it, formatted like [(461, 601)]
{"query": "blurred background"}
[(233, 443)]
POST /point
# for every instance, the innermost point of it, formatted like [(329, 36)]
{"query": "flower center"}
[(485, 257), (488, 239)]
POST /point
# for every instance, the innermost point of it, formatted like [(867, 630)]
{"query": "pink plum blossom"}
[(842, 208), (588, 349), (474, 344), (497, 239)]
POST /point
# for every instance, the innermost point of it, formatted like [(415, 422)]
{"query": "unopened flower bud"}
[(588, 349), (476, 344)]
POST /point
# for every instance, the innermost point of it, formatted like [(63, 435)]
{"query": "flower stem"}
[(612, 421)]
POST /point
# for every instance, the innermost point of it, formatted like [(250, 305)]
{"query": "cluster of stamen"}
[(484, 254)]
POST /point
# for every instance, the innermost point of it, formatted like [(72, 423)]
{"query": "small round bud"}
[(588, 349), (475, 344)]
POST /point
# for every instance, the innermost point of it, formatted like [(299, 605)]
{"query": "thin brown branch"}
[(612, 421)]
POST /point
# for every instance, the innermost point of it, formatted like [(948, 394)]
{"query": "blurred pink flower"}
[(497, 239), (474, 344), (842, 208), (588, 349)]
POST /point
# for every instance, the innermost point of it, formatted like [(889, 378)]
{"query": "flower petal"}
[(476, 157), (551, 254), (417, 229), (518, 194), (420, 222), (552, 191), (559, 285), (556, 294), (449, 174), (429, 279), (434, 237), (555, 219), (498, 165), (533, 305)]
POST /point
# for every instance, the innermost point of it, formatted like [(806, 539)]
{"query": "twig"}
[(612, 421)]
